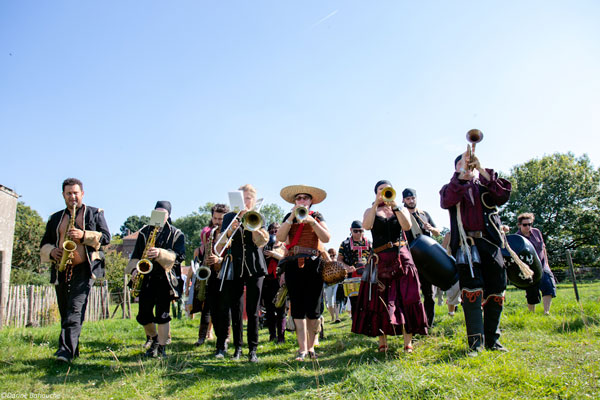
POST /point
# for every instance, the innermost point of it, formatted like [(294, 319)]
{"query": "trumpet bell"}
[(388, 194), (301, 213), (252, 221), (474, 136), (144, 266)]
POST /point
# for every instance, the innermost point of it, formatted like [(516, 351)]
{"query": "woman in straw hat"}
[(304, 240), (389, 302)]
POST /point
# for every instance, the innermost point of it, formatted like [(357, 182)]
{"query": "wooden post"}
[(30, 308), (570, 261), (124, 298)]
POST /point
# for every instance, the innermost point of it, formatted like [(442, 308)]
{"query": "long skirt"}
[(395, 299)]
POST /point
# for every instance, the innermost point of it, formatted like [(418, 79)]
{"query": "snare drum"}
[(351, 286)]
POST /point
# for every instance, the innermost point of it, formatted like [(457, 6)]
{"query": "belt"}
[(388, 245), (294, 251), (475, 234)]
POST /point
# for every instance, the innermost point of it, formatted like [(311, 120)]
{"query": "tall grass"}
[(553, 357)]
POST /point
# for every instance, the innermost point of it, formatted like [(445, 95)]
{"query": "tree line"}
[(561, 190)]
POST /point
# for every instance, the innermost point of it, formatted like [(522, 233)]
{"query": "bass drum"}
[(433, 262), (528, 255)]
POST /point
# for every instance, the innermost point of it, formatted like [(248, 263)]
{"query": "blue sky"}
[(187, 100)]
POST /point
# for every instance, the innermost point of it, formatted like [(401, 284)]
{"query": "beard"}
[(411, 207)]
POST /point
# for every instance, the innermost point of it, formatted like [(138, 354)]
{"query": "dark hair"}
[(70, 182), (273, 225), (220, 208), (381, 182)]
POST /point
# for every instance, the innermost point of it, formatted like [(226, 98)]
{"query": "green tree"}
[(563, 193), (133, 224), (191, 225), (115, 265), (29, 230), (272, 213)]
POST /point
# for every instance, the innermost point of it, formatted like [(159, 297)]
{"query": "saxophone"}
[(144, 266), (69, 246), (204, 271)]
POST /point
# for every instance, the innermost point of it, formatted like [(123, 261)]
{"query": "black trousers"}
[(428, 300), (275, 316), (230, 300), (155, 299), (72, 297)]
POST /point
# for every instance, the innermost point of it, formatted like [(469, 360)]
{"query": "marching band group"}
[(242, 262)]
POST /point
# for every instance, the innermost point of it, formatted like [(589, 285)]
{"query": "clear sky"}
[(187, 100)]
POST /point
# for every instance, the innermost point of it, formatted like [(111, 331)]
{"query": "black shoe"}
[(160, 351), (252, 357), (497, 347), (63, 356), (200, 342), (220, 354), (148, 342), (280, 340), (237, 353), (152, 351)]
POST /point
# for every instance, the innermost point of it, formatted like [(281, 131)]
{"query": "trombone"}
[(251, 221)]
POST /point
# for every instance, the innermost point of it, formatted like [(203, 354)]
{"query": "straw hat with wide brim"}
[(289, 193)]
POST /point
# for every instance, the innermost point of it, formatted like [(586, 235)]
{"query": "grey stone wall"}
[(8, 212)]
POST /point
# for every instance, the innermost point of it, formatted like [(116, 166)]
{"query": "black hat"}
[(356, 225), (164, 204), (457, 159), (408, 192), (381, 182)]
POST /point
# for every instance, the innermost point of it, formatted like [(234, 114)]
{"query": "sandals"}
[(408, 348), (383, 348), (300, 356), (312, 355)]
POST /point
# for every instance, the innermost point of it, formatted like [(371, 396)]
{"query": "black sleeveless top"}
[(385, 230)]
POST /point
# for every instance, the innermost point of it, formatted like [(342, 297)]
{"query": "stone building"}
[(8, 213)]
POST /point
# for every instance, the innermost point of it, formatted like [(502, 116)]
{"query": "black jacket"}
[(248, 260), (94, 221)]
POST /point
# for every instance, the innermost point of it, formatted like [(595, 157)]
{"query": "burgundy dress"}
[(396, 301)]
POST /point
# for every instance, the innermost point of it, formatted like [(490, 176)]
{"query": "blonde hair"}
[(248, 188)]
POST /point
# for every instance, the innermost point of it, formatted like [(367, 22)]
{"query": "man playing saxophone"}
[(163, 283), (206, 256), (86, 230)]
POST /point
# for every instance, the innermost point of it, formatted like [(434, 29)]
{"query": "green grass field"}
[(551, 357)]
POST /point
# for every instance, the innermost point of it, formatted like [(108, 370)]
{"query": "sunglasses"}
[(303, 197), (357, 231), (527, 224)]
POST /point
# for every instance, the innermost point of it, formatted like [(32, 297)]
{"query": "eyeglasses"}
[(303, 197), (357, 231), (527, 224)]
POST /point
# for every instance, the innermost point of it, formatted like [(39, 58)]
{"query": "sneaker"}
[(220, 354), (252, 357), (237, 353), (451, 313), (337, 321), (474, 352)]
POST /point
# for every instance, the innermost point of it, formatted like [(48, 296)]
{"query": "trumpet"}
[(474, 136), (388, 194), (301, 213)]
